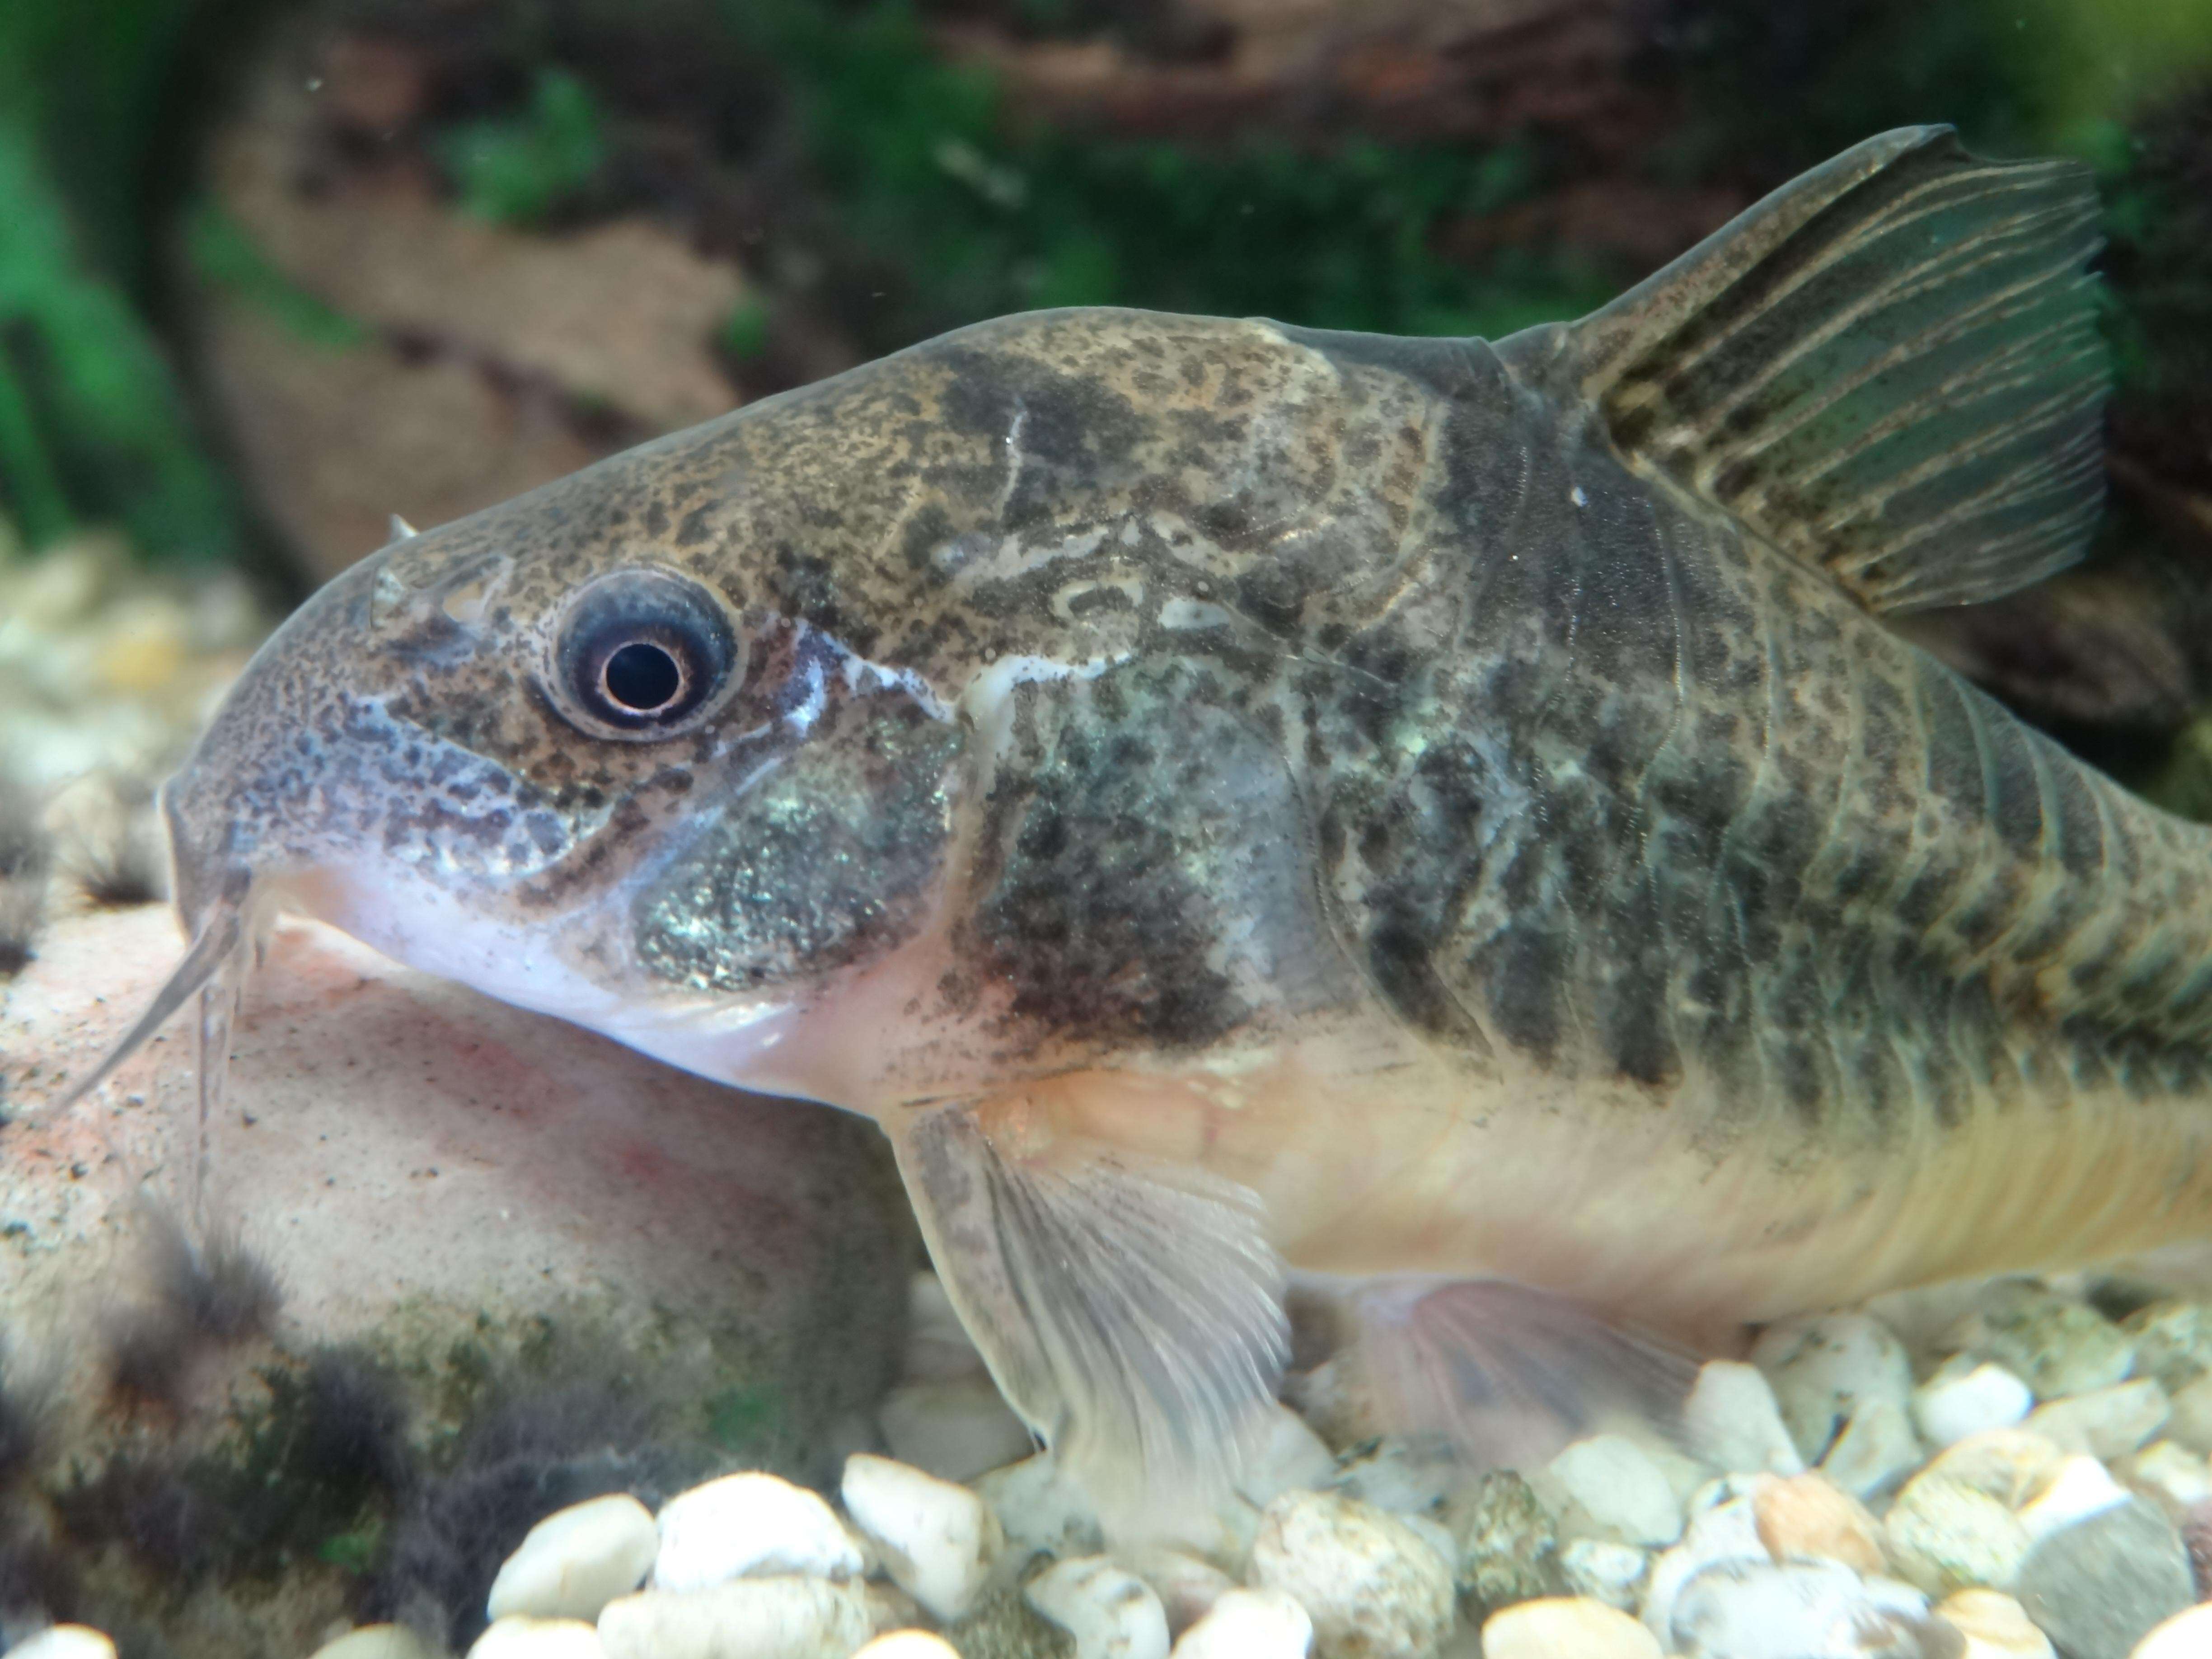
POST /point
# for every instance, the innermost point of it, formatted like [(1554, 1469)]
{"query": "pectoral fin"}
[(1130, 1310)]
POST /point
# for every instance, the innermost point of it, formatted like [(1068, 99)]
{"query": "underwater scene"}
[(1105, 829)]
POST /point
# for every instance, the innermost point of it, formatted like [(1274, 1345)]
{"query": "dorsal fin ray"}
[(1890, 369)]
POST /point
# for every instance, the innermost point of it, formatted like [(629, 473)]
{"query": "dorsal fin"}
[(1889, 368)]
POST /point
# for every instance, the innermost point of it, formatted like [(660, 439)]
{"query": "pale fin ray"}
[(1506, 1375), (1131, 1310), (1888, 370)]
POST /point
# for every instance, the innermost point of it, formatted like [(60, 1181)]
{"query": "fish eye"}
[(641, 651)]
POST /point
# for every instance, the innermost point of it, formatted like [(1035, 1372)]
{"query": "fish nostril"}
[(643, 677)]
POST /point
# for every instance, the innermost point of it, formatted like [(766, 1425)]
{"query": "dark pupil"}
[(642, 677)]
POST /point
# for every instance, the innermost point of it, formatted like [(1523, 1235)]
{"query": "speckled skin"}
[(1321, 757)]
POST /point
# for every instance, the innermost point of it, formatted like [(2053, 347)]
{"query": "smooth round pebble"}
[(2186, 1636), (1793, 1610), (1614, 1574), (2077, 1489), (788, 1617), (1825, 1371), (1808, 1516), (2099, 1586), (2172, 1477), (909, 1644), (1111, 1614), (2173, 1341), (1876, 1449), (538, 1638), (749, 1526), (1557, 1627), (2103, 1422), (576, 1560), (1945, 1536), (1966, 1396), (2189, 1418), (1731, 1421), (64, 1642), (1039, 1509), (1607, 1487), (1723, 1529), (1995, 1627), (2006, 1464), (1285, 1455), (1188, 1586), (1376, 1588), (939, 1539), (1507, 1548), (955, 1428), (2055, 1345), (1249, 1624), (371, 1642)]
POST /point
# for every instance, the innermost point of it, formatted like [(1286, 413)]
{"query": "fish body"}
[(1235, 801)]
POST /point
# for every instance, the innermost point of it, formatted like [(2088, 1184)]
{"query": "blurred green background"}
[(272, 269)]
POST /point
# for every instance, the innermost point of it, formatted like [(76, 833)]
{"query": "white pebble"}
[(1723, 1528), (909, 1644), (369, 1641), (1372, 1584), (2172, 1477), (2191, 1421), (939, 1539), (1876, 1449), (1965, 1397), (1249, 1624), (1392, 1475), (1283, 1455), (1943, 1535), (1605, 1571), (1557, 1628), (749, 1526), (64, 1642), (1826, 1370), (1605, 1487), (1793, 1610), (1187, 1587), (2078, 1488), (1731, 1421), (1112, 1614), (2187, 1635), (955, 1428), (1995, 1625), (538, 1638), (2107, 1422), (1038, 1508), (576, 1560), (790, 1618)]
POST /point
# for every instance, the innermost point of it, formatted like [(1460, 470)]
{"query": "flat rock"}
[(2098, 1587), (1808, 1517), (2106, 1422), (1795, 1610), (1614, 1574), (2187, 1635), (410, 1158), (1607, 1486)]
